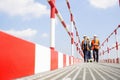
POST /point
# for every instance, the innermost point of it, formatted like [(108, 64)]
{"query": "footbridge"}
[(24, 60)]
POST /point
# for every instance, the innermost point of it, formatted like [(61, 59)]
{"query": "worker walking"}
[(89, 48), (95, 47), (85, 48)]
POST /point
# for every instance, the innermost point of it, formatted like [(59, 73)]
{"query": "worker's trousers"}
[(96, 55)]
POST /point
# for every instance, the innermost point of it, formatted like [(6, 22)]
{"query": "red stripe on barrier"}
[(69, 33), (53, 9), (113, 60), (72, 40), (63, 24), (64, 60), (108, 49), (52, 48), (107, 40), (117, 60), (52, 13), (56, 11), (68, 5), (71, 17), (17, 57), (76, 33), (72, 34), (51, 3), (54, 60), (69, 60), (118, 26), (77, 48), (116, 45), (115, 31)]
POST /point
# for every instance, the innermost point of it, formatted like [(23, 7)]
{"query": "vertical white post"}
[(52, 33), (52, 26)]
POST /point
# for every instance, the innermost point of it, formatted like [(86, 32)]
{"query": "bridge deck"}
[(82, 71)]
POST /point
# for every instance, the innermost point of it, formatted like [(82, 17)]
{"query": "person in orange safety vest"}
[(95, 47)]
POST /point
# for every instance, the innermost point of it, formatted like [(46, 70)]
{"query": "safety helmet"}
[(88, 38), (84, 36), (95, 35)]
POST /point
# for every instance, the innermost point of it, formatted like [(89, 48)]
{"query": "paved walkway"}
[(82, 71)]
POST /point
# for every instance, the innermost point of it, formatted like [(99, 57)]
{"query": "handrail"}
[(70, 33), (108, 49)]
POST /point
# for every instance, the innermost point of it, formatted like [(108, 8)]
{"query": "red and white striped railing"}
[(54, 11), (110, 48), (77, 43)]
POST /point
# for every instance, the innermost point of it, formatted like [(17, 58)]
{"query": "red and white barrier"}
[(110, 48), (74, 25), (20, 58)]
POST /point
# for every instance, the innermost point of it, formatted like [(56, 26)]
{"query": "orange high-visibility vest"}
[(95, 44), (85, 46)]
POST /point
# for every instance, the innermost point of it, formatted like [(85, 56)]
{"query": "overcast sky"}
[(30, 20)]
